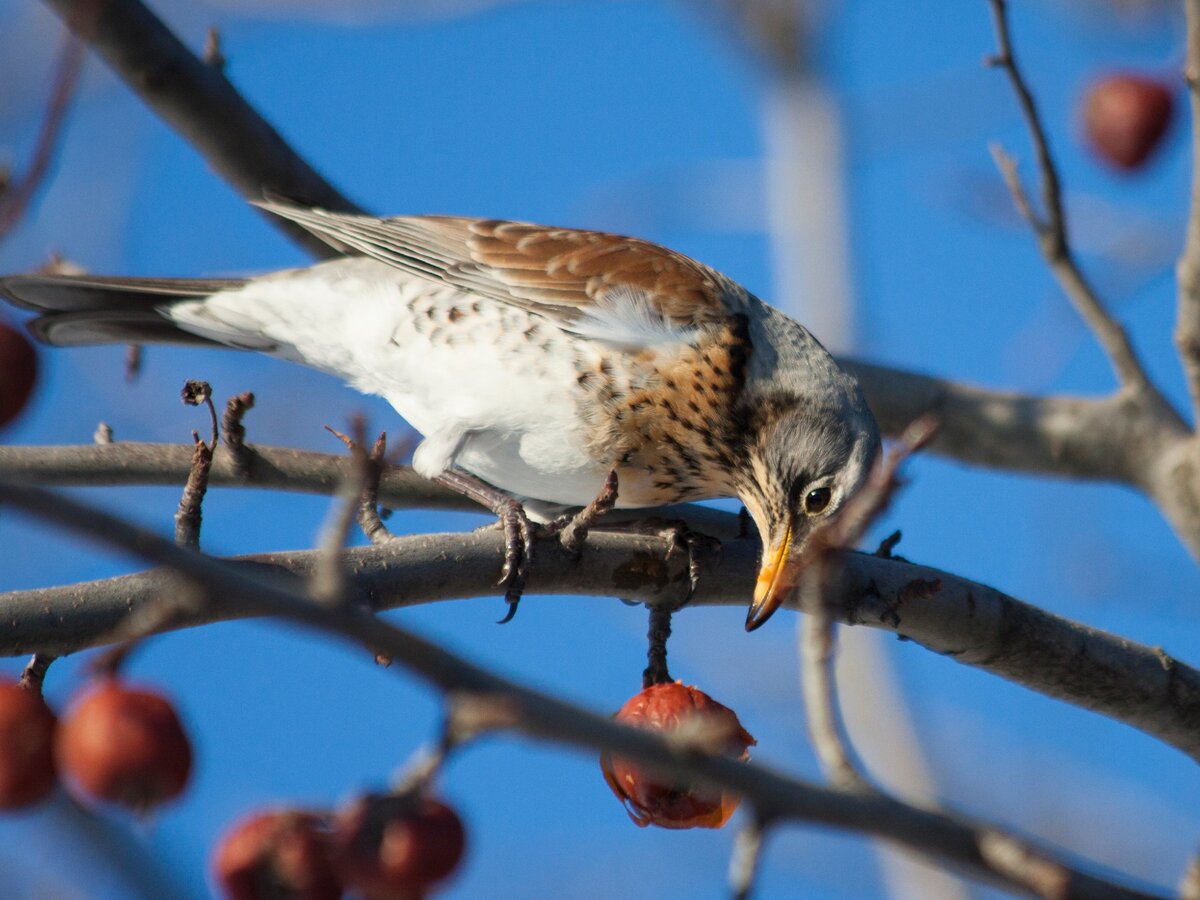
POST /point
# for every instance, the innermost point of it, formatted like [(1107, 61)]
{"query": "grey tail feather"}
[(78, 310)]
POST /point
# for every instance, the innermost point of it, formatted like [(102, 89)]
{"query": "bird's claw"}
[(519, 535), (701, 550)]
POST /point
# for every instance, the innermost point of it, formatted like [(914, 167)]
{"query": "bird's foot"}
[(702, 550), (572, 530), (519, 531), (519, 535)]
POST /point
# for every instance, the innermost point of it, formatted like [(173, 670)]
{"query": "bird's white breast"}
[(488, 384)]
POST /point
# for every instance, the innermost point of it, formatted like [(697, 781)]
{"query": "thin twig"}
[(743, 862), (34, 674), (17, 195), (369, 519), (1187, 322), (188, 513), (329, 581), (815, 630), (657, 635), (546, 717), (1051, 230), (242, 457)]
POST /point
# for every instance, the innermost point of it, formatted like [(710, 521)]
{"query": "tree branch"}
[(969, 622), (773, 795), (200, 103)]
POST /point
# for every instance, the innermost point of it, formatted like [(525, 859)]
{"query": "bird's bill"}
[(776, 579)]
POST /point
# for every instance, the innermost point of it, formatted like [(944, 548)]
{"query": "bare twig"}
[(1052, 229), (17, 195), (34, 674), (545, 717), (188, 513), (1187, 323), (195, 393), (329, 578), (657, 635), (212, 53), (241, 456), (816, 629), (743, 863), (369, 519)]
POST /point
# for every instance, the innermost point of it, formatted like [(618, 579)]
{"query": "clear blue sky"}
[(621, 115)]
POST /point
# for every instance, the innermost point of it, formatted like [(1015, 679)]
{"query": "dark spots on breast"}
[(605, 368), (583, 378), (694, 406), (454, 314)]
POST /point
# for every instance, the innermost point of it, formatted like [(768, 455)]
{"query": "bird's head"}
[(804, 459)]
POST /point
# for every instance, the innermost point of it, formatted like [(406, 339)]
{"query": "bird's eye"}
[(817, 500)]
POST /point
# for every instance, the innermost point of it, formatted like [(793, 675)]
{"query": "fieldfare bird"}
[(534, 361)]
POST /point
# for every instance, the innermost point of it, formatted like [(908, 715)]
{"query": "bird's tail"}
[(78, 310)]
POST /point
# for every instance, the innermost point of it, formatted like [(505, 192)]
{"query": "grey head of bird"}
[(808, 443)]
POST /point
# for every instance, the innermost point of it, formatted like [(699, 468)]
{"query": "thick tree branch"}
[(774, 796), (1187, 325), (199, 102), (972, 623)]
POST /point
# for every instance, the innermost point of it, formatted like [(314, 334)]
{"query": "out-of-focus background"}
[(843, 173)]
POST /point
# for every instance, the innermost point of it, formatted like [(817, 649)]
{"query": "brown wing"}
[(555, 271)]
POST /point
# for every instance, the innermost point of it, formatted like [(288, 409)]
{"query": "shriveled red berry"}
[(1125, 117), (18, 372), (276, 855), (390, 846), (124, 745), (648, 799), (27, 770)]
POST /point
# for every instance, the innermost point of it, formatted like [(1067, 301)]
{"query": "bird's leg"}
[(572, 530), (519, 532)]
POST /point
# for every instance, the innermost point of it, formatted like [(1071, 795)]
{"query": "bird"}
[(541, 366)]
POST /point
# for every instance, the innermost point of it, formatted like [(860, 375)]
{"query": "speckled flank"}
[(660, 417)]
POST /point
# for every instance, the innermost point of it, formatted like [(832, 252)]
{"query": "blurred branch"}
[(1187, 326), (1122, 438), (15, 196), (774, 796), (200, 103), (1052, 229), (972, 623)]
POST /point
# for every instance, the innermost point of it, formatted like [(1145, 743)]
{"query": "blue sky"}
[(644, 118)]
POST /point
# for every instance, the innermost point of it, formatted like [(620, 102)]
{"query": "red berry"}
[(27, 771), (18, 372), (276, 855), (396, 846), (651, 801), (1125, 117), (125, 746)]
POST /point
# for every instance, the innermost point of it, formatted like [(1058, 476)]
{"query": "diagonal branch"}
[(200, 103), (1052, 229), (774, 796)]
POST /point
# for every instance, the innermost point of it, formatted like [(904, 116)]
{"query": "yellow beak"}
[(776, 579)]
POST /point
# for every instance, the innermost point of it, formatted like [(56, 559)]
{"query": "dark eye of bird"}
[(817, 500)]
